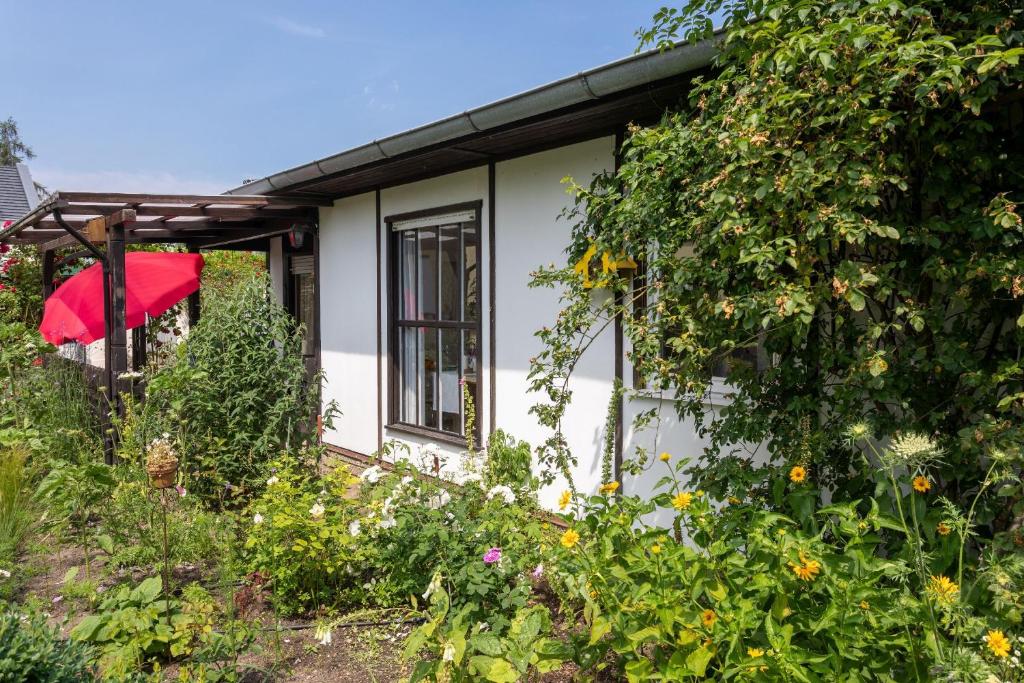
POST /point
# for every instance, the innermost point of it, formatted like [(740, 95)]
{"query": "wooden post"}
[(117, 339), (193, 299), (139, 347), (49, 267)]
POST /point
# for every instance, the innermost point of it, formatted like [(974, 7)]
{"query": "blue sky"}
[(196, 96)]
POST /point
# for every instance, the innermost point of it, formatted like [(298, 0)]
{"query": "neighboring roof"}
[(17, 192), (591, 103)]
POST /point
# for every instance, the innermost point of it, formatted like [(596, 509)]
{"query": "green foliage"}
[(227, 270), (135, 626), (510, 462), (462, 651), (305, 539), (73, 494), (31, 651), (786, 588), (238, 392), (15, 502), (841, 194)]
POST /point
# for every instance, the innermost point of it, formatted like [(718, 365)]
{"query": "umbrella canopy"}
[(154, 282)]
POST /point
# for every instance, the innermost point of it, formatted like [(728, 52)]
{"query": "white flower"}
[(354, 527), (388, 523), (372, 475), (449, 653), (439, 500), (257, 518), (57, 599), (317, 511), (482, 626), (504, 491), (406, 480), (435, 583), (5, 574), (273, 480)]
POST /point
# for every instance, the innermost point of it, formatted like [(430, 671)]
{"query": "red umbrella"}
[(154, 282)]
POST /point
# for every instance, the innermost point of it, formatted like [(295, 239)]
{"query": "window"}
[(435, 316)]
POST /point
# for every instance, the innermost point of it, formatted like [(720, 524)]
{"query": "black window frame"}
[(395, 323)]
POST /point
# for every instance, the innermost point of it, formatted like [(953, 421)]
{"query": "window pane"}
[(409, 359), (451, 392), (430, 389), (470, 276), (451, 272), (306, 310), (428, 274), (469, 368), (407, 275)]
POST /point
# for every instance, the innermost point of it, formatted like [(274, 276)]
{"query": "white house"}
[(418, 274)]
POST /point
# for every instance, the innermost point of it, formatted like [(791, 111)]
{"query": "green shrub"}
[(238, 393), (305, 537), (33, 652), (786, 588)]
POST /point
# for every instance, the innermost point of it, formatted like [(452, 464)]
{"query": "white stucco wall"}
[(529, 198), (348, 319)]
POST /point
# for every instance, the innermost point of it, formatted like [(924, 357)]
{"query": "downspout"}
[(107, 319)]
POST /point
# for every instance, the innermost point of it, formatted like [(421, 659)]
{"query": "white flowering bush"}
[(305, 535)]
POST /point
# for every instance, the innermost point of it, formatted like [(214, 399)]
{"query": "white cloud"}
[(295, 28), (125, 181)]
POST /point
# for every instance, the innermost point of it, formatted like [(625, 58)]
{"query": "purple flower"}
[(180, 489), (538, 571), (492, 556)]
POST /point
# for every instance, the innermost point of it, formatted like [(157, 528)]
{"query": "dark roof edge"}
[(602, 81)]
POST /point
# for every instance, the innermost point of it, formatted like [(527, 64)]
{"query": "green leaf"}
[(698, 660)]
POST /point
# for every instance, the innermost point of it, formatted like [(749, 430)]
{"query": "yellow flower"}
[(864, 605), (698, 493), (708, 618), (998, 643), (570, 538), (564, 500), (798, 474), (921, 484), (733, 500), (655, 549), (664, 457), (807, 570), (593, 594), (682, 500), (943, 529), (610, 487), (755, 652), (942, 589)]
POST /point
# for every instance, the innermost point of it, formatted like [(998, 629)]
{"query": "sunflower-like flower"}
[(943, 589), (998, 643), (664, 457), (943, 529), (570, 538), (798, 474), (682, 500), (807, 569), (564, 500), (609, 488), (755, 652), (708, 618)]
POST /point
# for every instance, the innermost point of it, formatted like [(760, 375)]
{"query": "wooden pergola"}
[(102, 224)]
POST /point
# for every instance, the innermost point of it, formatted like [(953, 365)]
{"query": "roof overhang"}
[(590, 104), (194, 220)]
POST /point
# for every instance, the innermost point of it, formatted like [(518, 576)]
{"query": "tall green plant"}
[(839, 198), (15, 510), (238, 392)]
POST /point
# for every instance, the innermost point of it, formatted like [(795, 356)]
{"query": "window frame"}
[(394, 323)]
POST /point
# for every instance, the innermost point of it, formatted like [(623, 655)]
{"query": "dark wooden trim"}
[(317, 316), (48, 268), (435, 211), (427, 433), (492, 297), (116, 340), (392, 304), (619, 347), (378, 229), (194, 307)]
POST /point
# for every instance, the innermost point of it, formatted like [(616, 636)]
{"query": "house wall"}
[(529, 198)]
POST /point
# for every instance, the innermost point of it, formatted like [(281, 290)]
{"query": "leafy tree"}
[(12, 149), (840, 198)]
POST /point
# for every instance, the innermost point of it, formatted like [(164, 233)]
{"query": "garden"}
[(832, 217)]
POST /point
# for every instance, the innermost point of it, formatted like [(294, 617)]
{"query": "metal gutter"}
[(592, 84)]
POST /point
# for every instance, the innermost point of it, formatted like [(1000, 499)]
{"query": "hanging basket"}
[(162, 474)]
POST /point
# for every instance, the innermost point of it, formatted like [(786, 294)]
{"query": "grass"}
[(15, 502)]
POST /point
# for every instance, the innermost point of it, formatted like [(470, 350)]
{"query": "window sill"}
[(427, 433)]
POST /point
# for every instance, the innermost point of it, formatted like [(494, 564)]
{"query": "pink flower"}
[(492, 556), (180, 489), (538, 571)]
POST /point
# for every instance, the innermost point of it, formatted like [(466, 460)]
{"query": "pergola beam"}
[(133, 199)]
